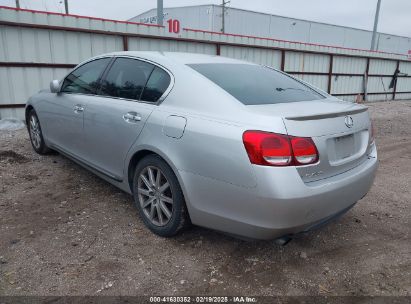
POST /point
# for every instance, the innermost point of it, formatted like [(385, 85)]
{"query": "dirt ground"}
[(63, 231)]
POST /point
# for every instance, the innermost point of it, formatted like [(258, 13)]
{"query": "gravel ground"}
[(63, 231)]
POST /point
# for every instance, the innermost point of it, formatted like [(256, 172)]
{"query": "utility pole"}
[(223, 8), (66, 6), (374, 33), (160, 15), (17, 3)]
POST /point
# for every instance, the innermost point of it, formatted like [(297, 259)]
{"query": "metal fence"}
[(36, 47)]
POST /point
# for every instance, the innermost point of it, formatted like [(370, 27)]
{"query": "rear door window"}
[(156, 85), (126, 78), (85, 79), (255, 84)]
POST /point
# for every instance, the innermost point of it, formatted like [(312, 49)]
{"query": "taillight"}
[(304, 150), (265, 148), (271, 149)]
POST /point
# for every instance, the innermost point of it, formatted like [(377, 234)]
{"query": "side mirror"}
[(55, 86)]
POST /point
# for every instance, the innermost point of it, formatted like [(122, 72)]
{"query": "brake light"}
[(265, 148), (304, 150), (271, 149)]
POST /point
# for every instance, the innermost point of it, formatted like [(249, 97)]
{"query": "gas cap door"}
[(174, 126)]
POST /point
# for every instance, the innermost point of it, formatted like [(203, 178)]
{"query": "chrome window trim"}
[(77, 67), (166, 92), (158, 102)]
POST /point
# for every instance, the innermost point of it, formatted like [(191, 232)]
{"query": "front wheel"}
[(158, 197), (36, 135)]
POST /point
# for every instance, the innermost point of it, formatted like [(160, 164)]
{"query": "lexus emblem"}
[(349, 122)]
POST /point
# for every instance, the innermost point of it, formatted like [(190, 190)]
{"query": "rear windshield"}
[(255, 84)]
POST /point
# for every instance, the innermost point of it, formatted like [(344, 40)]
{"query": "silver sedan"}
[(221, 143)]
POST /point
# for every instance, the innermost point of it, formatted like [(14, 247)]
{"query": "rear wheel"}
[(36, 135), (158, 197)]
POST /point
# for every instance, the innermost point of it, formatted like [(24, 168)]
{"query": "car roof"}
[(179, 57)]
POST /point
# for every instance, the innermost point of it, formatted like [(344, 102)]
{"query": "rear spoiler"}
[(327, 115)]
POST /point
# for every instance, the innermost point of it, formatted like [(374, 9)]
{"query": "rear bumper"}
[(320, 223), (281, 204)]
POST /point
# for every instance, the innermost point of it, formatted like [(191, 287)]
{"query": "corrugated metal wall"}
[(147, 44), (261, 56), (246, 22), (36, 47), (18, 83)]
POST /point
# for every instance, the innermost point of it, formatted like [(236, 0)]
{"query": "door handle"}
[(132, 117), (78, 109)]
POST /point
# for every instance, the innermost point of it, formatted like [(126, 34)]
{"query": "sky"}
[(395, 17)]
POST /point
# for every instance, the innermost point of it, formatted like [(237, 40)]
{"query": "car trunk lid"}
[(340, 131)]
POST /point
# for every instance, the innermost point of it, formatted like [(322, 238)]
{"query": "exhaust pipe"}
[(284, 240)]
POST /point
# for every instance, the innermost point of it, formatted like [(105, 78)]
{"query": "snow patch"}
[(11, 124)]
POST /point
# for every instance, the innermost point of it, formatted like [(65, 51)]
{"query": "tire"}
[(153, 198), (36, 135)]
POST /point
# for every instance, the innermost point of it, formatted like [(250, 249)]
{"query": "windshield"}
[(255, 84)]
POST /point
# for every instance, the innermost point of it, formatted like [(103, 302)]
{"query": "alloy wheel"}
[(35, 133), (155, 196)]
